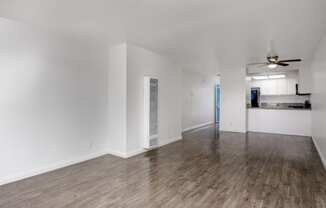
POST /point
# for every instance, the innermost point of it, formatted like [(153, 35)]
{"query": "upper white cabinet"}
[(268, 87), (291, 90), (276, 86), (281, 86)]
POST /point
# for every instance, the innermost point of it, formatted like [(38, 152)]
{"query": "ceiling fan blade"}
[(291, 60), (282, 64)]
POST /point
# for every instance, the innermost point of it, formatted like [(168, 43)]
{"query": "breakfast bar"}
[(279, 121)]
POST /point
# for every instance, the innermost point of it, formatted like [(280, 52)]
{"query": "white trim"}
[(141, 151), (280, 133), (323, 159), (134, 153), (170, 141), (59, 165), (197, 126), (117, 153), (235, 131)]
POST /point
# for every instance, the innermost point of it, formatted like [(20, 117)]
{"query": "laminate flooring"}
[(205, 169)]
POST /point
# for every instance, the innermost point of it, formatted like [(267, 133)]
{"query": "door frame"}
[(217, 104)]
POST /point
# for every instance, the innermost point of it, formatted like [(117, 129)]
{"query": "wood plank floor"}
[(205, 169)]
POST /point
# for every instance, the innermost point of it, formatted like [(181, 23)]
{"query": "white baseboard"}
[(140, 151), (323, 159), (59, 165), (117, 153), (49, 168), (233, 131), (197, 126), (126, 155), (135, 152), (170, 141), (280, 133)]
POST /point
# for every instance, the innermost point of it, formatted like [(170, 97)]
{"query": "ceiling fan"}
[(273, 59)]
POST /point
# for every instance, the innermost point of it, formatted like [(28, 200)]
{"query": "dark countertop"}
[(280, 108)]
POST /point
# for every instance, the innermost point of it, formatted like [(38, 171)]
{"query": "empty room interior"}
[(166, 103)]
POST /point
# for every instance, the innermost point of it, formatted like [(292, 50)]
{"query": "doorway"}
[(217, 104)]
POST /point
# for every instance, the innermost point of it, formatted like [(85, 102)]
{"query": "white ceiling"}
[(201, 35)]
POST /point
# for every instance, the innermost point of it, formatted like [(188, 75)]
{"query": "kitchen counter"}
[(280, 108), (279, 121)]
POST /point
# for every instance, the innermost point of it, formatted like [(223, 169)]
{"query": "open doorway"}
[(217, 104)]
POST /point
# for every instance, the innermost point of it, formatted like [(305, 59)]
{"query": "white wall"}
[(198, 99), (233, 99), (117, 99), (52, 102), (319, 99), (142, 62), (305, 78)]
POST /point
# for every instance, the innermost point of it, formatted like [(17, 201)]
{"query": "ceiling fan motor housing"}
[(272, 59)]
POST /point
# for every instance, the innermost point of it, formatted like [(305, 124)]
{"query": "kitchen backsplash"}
[(283, 99)]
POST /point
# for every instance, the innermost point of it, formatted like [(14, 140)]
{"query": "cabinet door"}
[(272, 85), (281, 86), (291, 86), (266, 87), (264, 90), (278, 87)]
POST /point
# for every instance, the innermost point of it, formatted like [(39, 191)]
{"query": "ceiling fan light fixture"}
[(277, 76), (272, 66), (260, 77)]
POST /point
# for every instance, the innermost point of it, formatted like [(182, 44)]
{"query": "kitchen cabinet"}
[(291, 86), (281, 87), (276, 86), (266, 87)]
